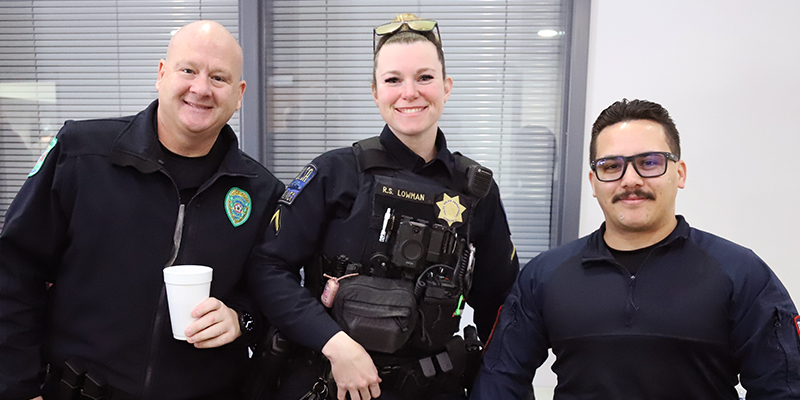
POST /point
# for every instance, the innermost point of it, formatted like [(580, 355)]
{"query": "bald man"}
[(112, 202)]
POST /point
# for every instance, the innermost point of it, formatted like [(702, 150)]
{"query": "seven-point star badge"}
[(450, 209)]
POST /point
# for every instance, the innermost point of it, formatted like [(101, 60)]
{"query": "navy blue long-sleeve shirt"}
[(700, 311)]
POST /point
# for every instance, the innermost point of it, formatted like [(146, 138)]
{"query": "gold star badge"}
[(450, 209)]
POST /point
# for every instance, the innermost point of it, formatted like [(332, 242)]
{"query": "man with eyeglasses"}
[(646, 307)]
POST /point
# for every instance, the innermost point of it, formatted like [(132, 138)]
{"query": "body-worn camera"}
[(411, 244), (417, 244)]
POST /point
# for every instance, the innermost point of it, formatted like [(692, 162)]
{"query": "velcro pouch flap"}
[(378, 313)]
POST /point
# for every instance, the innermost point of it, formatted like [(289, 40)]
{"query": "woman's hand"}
[(352, 368)]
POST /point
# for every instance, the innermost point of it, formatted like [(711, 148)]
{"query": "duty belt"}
[(75, 382)]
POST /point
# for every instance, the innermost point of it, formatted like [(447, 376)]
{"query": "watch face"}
[(246, 322)]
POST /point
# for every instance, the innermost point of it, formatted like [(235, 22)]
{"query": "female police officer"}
[(404, 229)]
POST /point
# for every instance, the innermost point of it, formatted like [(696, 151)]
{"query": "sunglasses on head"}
[(419, 25)]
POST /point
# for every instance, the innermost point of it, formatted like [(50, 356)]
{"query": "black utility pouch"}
[(378, 313), (438, 320)]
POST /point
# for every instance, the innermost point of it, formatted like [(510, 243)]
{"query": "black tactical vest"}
[(414, 261)]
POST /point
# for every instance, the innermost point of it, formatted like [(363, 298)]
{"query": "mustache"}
[(637, 192)]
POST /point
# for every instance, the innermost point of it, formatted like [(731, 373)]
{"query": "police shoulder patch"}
[(237, 206), (297, 185), (42, 157)]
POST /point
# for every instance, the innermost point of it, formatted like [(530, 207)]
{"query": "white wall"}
[(729, 73)]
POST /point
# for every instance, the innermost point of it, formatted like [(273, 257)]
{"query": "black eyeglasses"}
[(418, 25), (647, 165)]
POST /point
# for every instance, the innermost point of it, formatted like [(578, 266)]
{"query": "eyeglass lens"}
[(388, 28), (647, 165)]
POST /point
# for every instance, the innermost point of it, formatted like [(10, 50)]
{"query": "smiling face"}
[(199, 86), (636, 207), (410, 89)]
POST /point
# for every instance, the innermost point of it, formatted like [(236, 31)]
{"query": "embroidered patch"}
[(297, 185), (450, 209), (237, 206), (42, 157), (275, 222)]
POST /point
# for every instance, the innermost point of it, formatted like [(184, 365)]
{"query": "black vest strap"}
[(370, 153)]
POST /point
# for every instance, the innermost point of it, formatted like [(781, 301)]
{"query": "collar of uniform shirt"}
[(410, 160)]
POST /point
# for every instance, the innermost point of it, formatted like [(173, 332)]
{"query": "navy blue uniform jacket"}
[(98, 220), (699, 311)]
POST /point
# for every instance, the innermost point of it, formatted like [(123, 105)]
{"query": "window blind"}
[(505, 110), (80, 59)]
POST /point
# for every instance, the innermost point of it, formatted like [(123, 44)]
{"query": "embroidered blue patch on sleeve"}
[(297, 185)]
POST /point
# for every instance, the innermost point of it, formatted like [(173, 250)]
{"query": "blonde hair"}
[(405, 17)]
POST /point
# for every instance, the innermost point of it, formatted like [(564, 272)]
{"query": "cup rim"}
[(187, 274)]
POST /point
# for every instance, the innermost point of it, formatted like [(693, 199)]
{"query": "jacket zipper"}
[(631, 307), (177, 236)]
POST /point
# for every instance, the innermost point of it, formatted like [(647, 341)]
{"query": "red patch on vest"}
[(797, 325)]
